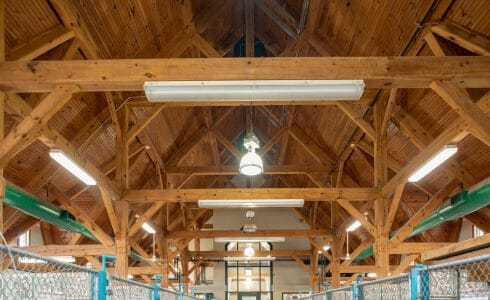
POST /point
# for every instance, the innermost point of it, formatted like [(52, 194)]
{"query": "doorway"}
[(248, 296)]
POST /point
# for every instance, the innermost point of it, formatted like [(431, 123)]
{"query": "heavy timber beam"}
[(275, 253), (308, 194), (464, 246), (233, 170), (72, 250), (130, 74), (238, 233)]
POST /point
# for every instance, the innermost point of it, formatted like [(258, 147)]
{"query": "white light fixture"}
[(130, 276), (251, 163), (252, 203), (434, 162), (61, 158), (371, 275), (249, 251), (326, 247), (245, 258), (148, 228), (353, 226), (64, 259), (247, 90), (249, 239), (249, 226)]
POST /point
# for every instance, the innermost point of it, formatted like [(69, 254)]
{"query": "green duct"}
[(19, 199), (16, 197), (458, 206)]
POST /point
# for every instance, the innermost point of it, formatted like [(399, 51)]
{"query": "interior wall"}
[(288, 276)]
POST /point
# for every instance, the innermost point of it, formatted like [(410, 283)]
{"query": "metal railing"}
[(24, 275), (464, 279)]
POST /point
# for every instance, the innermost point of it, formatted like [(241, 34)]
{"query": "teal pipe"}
[(18, 198), (460, 205)]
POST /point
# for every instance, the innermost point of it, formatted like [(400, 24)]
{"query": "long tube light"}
[(434, 162), (251, 203), (148, 228), (61, 158), (353, 226), (249, 239), (246, 90)]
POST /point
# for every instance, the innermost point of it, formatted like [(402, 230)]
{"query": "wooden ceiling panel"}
[(474, 156), (470, 14), (364, 28), (327, 125), (127, 28), (26, 163), (26, 20)]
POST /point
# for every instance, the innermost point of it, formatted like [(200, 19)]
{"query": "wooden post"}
[(249, 28), (380, 177), (122, 206), (163, 254), (184, 255), (122, 245), (335, 264)]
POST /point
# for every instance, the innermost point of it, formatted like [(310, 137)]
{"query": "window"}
[(24, 239), (477, 232)]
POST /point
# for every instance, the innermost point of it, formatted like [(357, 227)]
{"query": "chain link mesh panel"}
[(466, 279), (27, 276), (392, 288), (319, 296), (120, 288), (340, 294), (167, 294)]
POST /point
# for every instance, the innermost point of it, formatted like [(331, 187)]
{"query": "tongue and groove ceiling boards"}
[(136, 148)]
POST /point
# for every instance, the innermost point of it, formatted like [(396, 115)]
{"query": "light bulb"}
[(249, 251), (251, 163)]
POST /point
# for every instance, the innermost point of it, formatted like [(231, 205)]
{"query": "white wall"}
[(288, 276)]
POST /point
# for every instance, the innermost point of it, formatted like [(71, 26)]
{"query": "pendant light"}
[(251, 163)]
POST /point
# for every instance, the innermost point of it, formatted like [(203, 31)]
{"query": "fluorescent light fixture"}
[(371, 275), (244, 258), (61, 158), (148, 228), (245, 239), (246, 90), (64, 259), (353, 226), (252, 203), (434, 162), (31, 260)]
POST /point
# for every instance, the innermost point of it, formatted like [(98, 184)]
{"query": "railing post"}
[(181, 291), (193, 293), (102, 282), (355, 288), (156, 288), (418, 285)]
